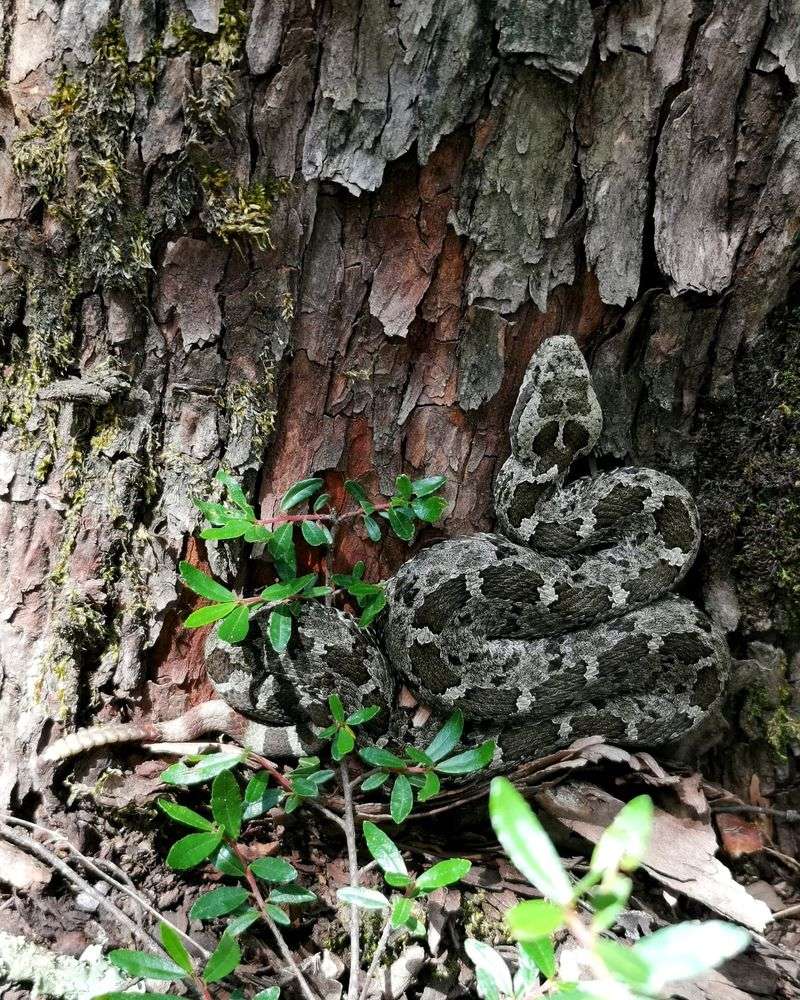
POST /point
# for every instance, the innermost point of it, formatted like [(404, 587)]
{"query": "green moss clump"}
[(236, 212), (770, 718), (749, 478), (225, 47)]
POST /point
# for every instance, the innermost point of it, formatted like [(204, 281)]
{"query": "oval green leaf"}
[(223, 961), (273, 870), (401, 800), (363, 898), (526, 843), (226, 803), (190, 851), (175, 948), (183, 815), (145, 966), (196, 580), (218, 902), (279, 630), (207, 615), (444, 873), (236, 625), (534, 918), (383, 849)]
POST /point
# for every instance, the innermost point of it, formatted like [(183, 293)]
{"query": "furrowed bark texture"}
[(465, 179)]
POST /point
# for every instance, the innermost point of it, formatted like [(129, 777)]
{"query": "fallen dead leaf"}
[(739, 836), (681, 854)]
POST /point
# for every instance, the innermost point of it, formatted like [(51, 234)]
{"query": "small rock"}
[(766, 893), (86, 902)]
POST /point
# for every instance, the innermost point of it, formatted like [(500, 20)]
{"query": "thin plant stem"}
[(380, 948), (283, 947), (352, 860), (91, 866), (53, 860)]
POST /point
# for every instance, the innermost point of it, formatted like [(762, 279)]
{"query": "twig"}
[(95, 868), (789, 911), (380, 948), (352, 860), (787, 815), (283, 947), (52, 859)]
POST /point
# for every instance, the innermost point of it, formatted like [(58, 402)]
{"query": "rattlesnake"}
[(558, 626)]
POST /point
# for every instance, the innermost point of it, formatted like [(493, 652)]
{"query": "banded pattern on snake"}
[(559, 625)]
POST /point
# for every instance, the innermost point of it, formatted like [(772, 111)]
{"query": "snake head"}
[(557, 417)]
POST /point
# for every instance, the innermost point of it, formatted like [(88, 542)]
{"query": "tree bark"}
[(289, 238)]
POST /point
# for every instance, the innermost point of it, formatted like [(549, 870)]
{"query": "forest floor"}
[(711, 854)]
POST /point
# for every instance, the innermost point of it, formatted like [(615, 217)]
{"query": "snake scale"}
[(561, 624)]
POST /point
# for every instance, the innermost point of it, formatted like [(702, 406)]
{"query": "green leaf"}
[(424, 487), (233, 529), (418, 757), (430, 787), (379, 757), (336, 707), (542, 954), (429, 509), (383, 849), (469, 761), (397, 880), (401, 911), (223, 961), (372, 610), (299, 492), (363, 898), (257, 533), (363, 715), (215, 513), (316, 533), (271, 993), (208, 614), (191, 850), (280, 591), (609, 900), (293, 895), (403, 486), (183, 815), (240, 924), (225, 861), (281, 548), (375, 781), (402, 526), (279, 630), (235, 627), (226, 803), (526, 843), (444, 873), (258, 797), (278, 915), (174, 947), (206, 767), (236, 493), (623, 844), (274, 870), (687, 950), (484, 957), (303, 786), (218, 902), (355, 489), (401, 800), (145, 966), (373, 528), (196, 580), (343, 744), (623, 963), (534, 918), (322, 501), (447, 737)]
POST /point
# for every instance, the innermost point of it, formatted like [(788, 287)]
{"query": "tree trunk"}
[(289, 238)]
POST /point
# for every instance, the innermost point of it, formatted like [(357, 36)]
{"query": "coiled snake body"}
[(560, 625)]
